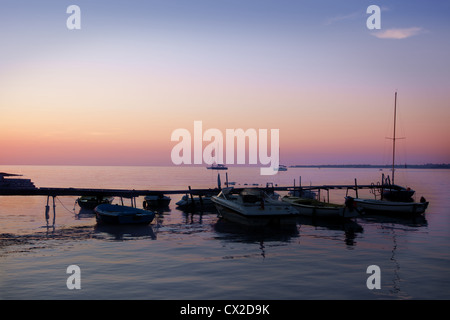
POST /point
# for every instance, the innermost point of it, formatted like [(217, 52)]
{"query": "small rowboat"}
[(156, 201), (391, 207), (90, 202), (116, 214), (319, 209)]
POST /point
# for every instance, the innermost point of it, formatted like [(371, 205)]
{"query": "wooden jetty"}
[(24, 187), (8, 187), (128, 193), (124, 193), (132, 193)]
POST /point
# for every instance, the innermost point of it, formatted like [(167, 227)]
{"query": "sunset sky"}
[(112, 92)]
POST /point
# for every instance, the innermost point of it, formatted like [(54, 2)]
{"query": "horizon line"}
[(238, 165)]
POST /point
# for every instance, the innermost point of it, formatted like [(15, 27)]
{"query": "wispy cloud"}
[(356, 15), (343, 17), (401, 33), (98, 133)]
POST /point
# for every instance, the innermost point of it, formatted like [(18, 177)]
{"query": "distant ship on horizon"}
[(218, 167)]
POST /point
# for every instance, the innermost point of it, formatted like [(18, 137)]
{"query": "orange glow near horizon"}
[(89, 127), (110, 98)]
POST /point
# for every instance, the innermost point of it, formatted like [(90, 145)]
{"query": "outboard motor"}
[(349, 202)]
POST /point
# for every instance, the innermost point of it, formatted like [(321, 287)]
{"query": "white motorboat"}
[(281, 168), (236, 204), (391, 207), (116, 214), (314, 208)]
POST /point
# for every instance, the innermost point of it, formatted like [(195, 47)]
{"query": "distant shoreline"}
[(364, 166)]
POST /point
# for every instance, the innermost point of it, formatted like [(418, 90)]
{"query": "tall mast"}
[(393, 139)]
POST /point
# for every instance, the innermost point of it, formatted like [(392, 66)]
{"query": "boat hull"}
[(156, 201), (115, 214), (391, 207), (256, 220), (254, 211), (321, 211), (186, 201)]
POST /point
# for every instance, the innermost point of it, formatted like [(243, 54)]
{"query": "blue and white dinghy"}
[(116, 214)]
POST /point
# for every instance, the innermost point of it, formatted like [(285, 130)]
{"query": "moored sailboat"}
[(395, 199), (391, 207)]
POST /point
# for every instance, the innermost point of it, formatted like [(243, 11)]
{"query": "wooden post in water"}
[(356, 188), (47, 209), (192, 197), (299, 186), (219, 183), (54, 211)]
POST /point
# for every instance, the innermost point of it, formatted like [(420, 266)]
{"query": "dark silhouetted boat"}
[(217, 167), (156, 201), (116, 214), (395, 199), (90, 202)]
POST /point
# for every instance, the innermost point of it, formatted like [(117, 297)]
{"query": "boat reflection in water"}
[(124, 232), (349, 227), (237, 232)]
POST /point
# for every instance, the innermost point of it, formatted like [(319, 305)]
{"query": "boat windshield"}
[(251, 196)]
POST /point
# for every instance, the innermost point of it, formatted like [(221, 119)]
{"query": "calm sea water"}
[(195, 255)]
